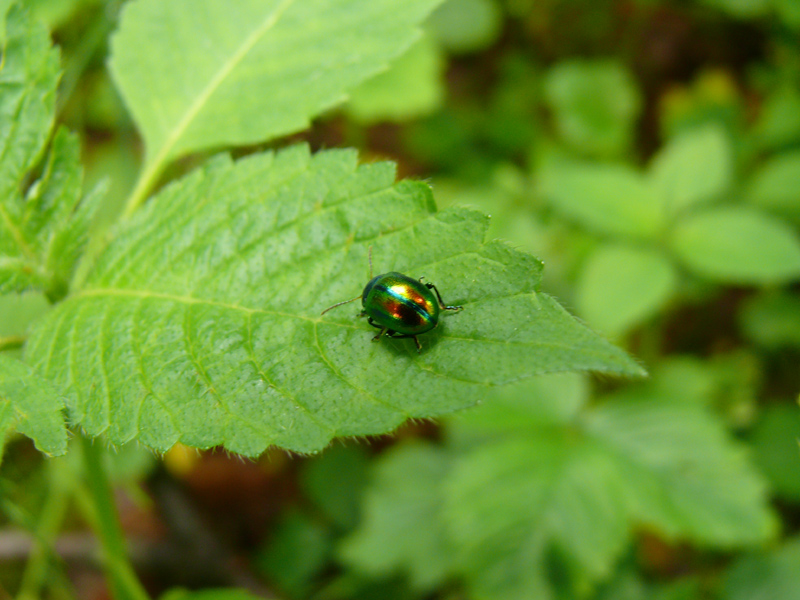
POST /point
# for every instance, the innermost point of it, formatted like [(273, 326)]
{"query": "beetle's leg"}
[(377, 337), (419, 346), (373, 323), (442, 305)]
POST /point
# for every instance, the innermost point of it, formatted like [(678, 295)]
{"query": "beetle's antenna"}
[(370, 262), (339, 304)]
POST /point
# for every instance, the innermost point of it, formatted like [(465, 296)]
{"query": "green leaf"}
[(582, 486), (621, 286), (595, 104), (298, 549), (684, 474), (779, 121), (196, 74), (29, 73), (209, 594), (766, 576), (610, 199), (742, 8), (333, 481), (776, 185), (545, 400), (29, 404), (43, 227), (403, 504), (772, 320), (200, 322), (695, 167), (775, 448), (463, 26), (738, 245), (412, 87), (509, 501)]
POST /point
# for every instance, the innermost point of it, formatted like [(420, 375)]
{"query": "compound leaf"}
[(43, 230), (583, 485), (30, 405), (200, 322)]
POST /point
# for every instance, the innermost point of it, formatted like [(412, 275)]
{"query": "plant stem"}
[(47, 527), (124, 584)]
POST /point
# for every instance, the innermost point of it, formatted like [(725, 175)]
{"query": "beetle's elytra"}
[(398, 305)]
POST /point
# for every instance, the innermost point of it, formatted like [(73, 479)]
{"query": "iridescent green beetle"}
[(398, 305)]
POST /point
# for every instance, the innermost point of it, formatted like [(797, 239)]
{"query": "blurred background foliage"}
[(649, 152)]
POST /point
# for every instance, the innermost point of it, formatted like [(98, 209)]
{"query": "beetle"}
[(399, 305)]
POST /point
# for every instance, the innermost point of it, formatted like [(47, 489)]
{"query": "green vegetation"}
[(186, 185)]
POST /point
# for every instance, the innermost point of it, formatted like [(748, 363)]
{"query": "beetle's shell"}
[(401, 304)]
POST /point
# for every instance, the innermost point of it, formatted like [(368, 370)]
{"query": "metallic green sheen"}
[(401, 304)]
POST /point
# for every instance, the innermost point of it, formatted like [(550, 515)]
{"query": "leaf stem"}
[(124, 584), (147, 177)]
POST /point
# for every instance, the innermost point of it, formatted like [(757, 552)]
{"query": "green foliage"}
[(609, 199), (772, 320), (595, 105), (297, 551), (403, 503), (661, 193), (776, 185), (217, 262), (211, 594), (463, 26), (211, 93), (31, 405), (578, 484), (411, 87), (738, 245), (776, 445), (621, 286), (696, 167), (42, 225), (769, 575)]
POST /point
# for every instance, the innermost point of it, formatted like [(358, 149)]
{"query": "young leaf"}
[(594, 103), (695, 167), (620, 286), (201, 322), (611, 199), (42, 233), (29, 404), (738, 245), (199, 74), (403, 505)]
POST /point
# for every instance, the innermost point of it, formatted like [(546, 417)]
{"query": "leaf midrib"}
[(100, 292), (217, 80)]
